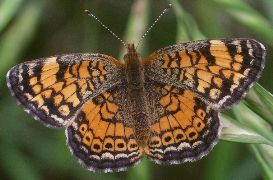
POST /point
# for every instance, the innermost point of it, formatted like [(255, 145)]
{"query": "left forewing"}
[(53, 89)]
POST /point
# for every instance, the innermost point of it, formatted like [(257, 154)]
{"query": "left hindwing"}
[(219, 71), (102, 136)]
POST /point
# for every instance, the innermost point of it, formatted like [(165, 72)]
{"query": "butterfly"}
[(165, 107)]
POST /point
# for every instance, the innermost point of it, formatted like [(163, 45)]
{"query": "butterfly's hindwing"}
[(183, 129), (102, 136)]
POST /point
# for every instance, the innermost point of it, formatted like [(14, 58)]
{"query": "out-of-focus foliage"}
[(31, 29)]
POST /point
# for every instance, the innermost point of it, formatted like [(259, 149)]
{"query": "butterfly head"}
[(132, 55)]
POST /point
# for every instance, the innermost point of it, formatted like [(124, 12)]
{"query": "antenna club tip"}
[(87, 11), (169, 5)]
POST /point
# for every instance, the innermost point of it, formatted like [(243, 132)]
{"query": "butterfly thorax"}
[(135, 82), (135, 75)]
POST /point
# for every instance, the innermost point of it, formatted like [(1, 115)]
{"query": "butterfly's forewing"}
[(219, 71), (53, 89), (102, 136), (183, 129)]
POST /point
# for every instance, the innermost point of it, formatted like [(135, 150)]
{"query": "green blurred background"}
[(30, 29)]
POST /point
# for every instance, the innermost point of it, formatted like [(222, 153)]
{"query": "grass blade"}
[(187, 28), (8, 9), (248, 17), (261, 101), (136, 24), (235, 131), (266, 169), (253, 121), (16, 38)]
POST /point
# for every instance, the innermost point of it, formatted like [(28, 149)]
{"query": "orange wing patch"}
[(186, 129), (100, 139), (54, 88), (218, 71)]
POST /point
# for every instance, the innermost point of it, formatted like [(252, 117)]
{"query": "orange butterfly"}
[(165, 107)]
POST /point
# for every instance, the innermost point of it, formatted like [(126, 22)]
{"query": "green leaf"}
[(260, 101), (253, 121), (136, 24), (187, 28), (235, 131), (15, 164), (248, 17), (17, 37), (141, 172), (267, 5), (265, 167), (8, 8)]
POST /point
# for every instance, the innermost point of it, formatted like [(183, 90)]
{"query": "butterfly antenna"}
[(103, 25), (154, 23)]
